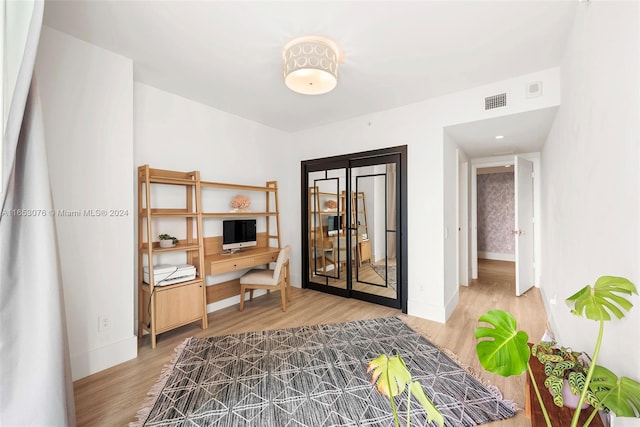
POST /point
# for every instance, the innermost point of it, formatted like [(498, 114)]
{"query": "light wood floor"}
[(112, 397)]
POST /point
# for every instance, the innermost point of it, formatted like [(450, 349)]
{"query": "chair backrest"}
[(283, 257)]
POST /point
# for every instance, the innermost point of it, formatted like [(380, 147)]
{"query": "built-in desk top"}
[(246, 258)]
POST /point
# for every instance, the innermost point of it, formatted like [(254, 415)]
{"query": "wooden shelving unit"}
[(271, 205), (162, 308), (359, 221), (268, 243), (321, 247)]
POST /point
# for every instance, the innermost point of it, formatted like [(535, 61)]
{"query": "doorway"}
[(353, 221), (519, 221), (495, 142)]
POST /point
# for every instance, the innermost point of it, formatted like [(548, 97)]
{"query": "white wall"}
[(87, 100), (463, 219), (172, 132), (450, 225), (420, 126), (591, 181)]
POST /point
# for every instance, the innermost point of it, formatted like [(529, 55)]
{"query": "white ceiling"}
[(522, 133), (228, 54)]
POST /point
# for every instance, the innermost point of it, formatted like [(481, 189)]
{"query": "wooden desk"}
[(558, 416), (216, 263), (246, 258)]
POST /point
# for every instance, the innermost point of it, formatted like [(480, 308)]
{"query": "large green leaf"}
[(432, 413), (600, 301), (620, 395), (390, 374), (503, 349)]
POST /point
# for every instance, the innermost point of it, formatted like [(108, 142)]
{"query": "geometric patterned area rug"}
[(311, 376)]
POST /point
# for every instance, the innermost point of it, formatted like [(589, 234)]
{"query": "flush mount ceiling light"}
[(311, 65)]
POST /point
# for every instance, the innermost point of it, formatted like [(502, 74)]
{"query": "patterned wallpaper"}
[(496, 212)]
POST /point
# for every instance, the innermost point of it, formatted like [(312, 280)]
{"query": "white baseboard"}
[(96, 360), (420, 309), (451, 304), (496, 256)]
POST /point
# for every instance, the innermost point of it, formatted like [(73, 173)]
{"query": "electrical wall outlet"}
[(104, 323)]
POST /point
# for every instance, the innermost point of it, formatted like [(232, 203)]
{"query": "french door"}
[(353, 222)]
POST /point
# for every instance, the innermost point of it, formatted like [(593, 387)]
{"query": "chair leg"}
[(251, 295), (283, 296), (288, 282), (242, 295)]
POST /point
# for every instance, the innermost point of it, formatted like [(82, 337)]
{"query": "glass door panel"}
[(326, 228), (373, 226), (354, 214)]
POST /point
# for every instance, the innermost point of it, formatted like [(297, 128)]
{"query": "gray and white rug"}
[(311, 376)]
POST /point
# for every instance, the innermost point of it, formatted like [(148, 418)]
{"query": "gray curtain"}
[(35, 375)]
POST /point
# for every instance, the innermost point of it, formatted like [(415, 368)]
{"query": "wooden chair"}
[(277, 279)]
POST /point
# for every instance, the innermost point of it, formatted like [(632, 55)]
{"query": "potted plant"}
[(167, 241), (391, 376), (504, 350), (566, 372)]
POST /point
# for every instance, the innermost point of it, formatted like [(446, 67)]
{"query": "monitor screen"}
[(334, 224), (238, 233)]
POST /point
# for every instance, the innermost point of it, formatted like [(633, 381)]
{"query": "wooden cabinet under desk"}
[(175, 305), (246, 258)]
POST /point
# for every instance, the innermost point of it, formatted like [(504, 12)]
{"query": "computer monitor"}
[(334, 224), (238, 233)]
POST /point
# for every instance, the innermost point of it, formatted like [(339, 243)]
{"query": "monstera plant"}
[(391, 376), (503, 349)]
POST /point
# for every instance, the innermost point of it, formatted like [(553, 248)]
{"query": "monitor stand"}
[(230, 251)]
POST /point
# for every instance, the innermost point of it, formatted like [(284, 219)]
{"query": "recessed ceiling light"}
[(499, 136)]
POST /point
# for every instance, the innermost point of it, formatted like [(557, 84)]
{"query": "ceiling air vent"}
[(495, 101)]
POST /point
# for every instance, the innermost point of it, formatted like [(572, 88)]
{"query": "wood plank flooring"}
[(112, 397)]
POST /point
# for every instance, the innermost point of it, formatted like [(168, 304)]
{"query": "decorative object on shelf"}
[(504, 350), (311, 65), (331, 204), (240, 203), (167, 241)]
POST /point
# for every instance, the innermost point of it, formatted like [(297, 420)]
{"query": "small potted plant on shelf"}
[(167, 241), (505, 351)]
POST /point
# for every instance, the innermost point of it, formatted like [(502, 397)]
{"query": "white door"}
[(463, 224), (524, 225)]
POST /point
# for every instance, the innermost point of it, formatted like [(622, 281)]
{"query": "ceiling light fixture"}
[(499, 136), (310, 65)]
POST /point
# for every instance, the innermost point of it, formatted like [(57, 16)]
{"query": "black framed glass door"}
[(353, 219)]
